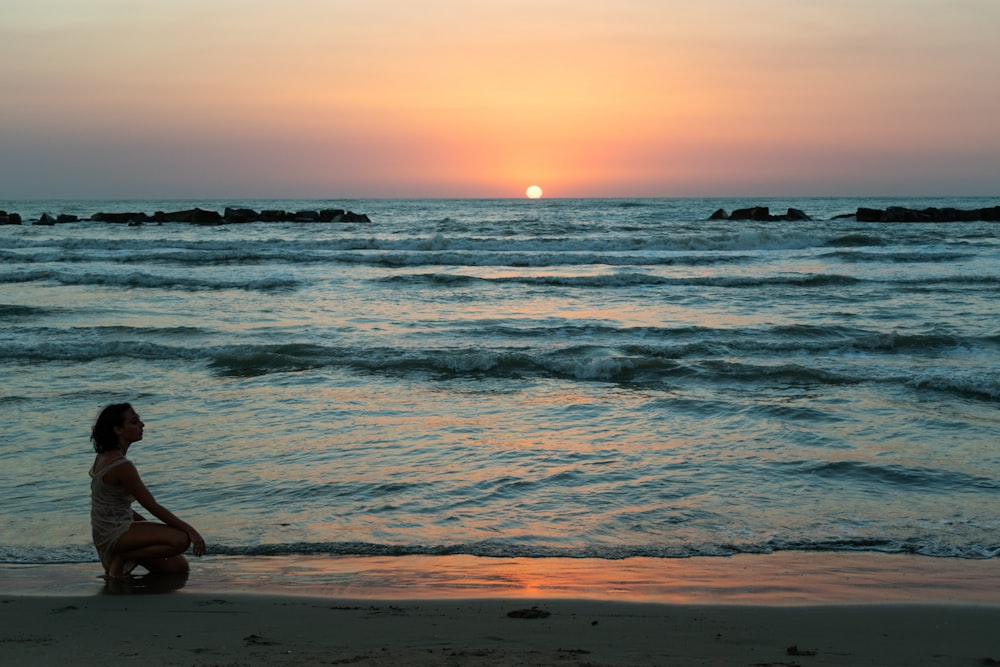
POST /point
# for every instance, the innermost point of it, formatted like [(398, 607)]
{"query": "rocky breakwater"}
[(862, 214), (932, 214), (198, 216), (760, 213)]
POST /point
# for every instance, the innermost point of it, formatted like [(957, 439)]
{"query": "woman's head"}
[(109, 425)]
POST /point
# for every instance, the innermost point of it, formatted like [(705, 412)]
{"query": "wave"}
[(282, 281), (10, 311), (646, 365), (923, 283), (630, 279), (250, 256), (928, 480), (686, 241), (920, 545), (142, 280), (930, 544), (535, 259), (855, 240), (653, 342), (977, 385), (900, 257), (688, 246), (634, 279)]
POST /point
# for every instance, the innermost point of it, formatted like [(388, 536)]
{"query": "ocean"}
[(593, 378)]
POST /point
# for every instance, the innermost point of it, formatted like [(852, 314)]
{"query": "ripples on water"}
[(558, 377)]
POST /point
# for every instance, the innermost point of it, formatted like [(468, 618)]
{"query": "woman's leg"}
[(173, 565), (156, 547)]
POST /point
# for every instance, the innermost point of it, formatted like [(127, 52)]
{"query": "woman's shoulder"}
[(106, 464)]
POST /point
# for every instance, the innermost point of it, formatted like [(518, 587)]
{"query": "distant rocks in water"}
[(199, 216), (9, 218), (49, 220), (760, 213), (901, 214), (891, 214)]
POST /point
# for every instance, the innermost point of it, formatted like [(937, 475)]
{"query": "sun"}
[(533, 192)]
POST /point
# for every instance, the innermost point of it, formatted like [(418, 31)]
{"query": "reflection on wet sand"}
[(152, 583)]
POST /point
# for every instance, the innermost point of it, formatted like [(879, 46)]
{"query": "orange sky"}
[(469, 98)]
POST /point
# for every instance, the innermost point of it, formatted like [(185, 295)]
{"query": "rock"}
[(174, 216), (990, 214), (120, 218), (200, 216), (754, 213), (306, 216), (762, 214), (196, 216), (902, 214), (272, 215), (897, 214), (892, 214), (868, 214), (240, 215)]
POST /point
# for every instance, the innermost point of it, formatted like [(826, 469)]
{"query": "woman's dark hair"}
[(104, 436)]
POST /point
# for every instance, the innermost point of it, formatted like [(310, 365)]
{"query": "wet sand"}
[(780, 609)]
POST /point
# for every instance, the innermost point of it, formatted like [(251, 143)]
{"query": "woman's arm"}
[(127, 476)]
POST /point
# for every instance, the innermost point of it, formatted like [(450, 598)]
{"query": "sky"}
[(474, 98)]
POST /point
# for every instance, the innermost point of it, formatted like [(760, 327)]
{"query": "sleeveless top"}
[(110, 512)]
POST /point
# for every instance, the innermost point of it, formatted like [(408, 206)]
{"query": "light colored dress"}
[(110, 512)]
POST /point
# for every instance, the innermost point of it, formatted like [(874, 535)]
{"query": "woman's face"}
[(131, 429)]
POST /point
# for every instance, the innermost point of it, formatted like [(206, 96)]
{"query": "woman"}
[(122, 536)]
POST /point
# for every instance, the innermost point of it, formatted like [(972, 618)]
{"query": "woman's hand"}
[(197, 543)]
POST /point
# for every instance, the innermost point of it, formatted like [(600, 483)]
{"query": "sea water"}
[(559, 377)]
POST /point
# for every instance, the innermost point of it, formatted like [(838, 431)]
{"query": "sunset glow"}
[(533, 192), (598, 98)]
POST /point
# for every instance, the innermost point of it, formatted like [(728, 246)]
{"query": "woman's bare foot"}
[(116, 568)]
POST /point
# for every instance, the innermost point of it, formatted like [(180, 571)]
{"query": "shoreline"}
[(778, 579), (777, 609)]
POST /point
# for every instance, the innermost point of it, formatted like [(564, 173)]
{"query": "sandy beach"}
[(781, 609)]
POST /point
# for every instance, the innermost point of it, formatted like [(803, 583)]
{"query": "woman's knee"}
[(173, 565), (179, 540)]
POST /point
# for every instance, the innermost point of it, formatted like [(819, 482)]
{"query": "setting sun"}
[(469, 99), (533, 192)]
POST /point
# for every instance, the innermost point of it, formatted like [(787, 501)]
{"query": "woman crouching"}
[(123, 537)]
